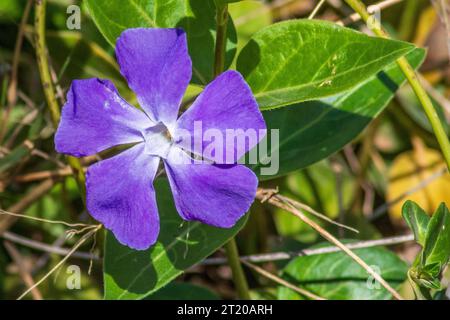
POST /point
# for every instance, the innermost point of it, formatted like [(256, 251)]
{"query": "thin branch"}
[(375, 7), (41, 175), (269, 196), (307, 208), (82, 240), (279, 256), (18, 215), (37, 192), (33, 244), (316, 9), (281, 281), (24, 273)]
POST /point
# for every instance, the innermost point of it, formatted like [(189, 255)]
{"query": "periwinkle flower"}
[(119, 190)]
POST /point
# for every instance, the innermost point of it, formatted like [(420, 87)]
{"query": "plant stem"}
[(413, 80), (221, 38), (276, 200), (48, 86), (238, 274), (230, 247), (41, 55), (316, 9)]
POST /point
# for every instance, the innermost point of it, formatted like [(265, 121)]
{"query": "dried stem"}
[(281, 281), (33, 244), (316, 9), (269, 196), (82, 240), (375, 7), (279, 256), (24, 273)]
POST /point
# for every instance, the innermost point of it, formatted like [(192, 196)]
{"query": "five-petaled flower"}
[(119, 190)]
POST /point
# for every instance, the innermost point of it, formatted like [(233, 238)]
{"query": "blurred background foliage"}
[(358, 186)]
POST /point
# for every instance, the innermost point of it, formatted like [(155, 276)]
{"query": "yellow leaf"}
[(408, 171)]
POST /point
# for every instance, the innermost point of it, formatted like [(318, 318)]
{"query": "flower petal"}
[(226, 106), (157, 66), (96, 118), (217, 195), (120, 194)]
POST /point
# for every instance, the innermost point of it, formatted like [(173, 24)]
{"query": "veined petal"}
[(96, 118), (217, 195), (157, 66), (225, 110), (120, 194)]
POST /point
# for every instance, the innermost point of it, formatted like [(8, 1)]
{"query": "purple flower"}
[(120, 192)]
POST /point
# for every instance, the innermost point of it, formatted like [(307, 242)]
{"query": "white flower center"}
[(158, 140)]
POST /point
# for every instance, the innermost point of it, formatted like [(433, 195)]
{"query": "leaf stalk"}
[(413, 80)]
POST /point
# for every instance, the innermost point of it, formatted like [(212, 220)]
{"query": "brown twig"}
[(276, 201), (279, 256), (12, 89), (281, 281), (375, 7), (24, 273), (303, 206), (80, 242), (33, 244), (6, 221), (41, 175)]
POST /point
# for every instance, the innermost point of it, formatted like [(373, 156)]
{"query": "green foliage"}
[(436, 249), (432, 233), (417, 220), (197, 18), (336, 276), (318, 83), (131, 274), (311, 131), (302, 60), (183, 291)]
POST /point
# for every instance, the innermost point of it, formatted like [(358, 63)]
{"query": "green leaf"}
[(183, 291), (337, 276), (131, 274), (196, 17), (311, 131), (417, 220), (222, 2), (436, 251), (302, 60)]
